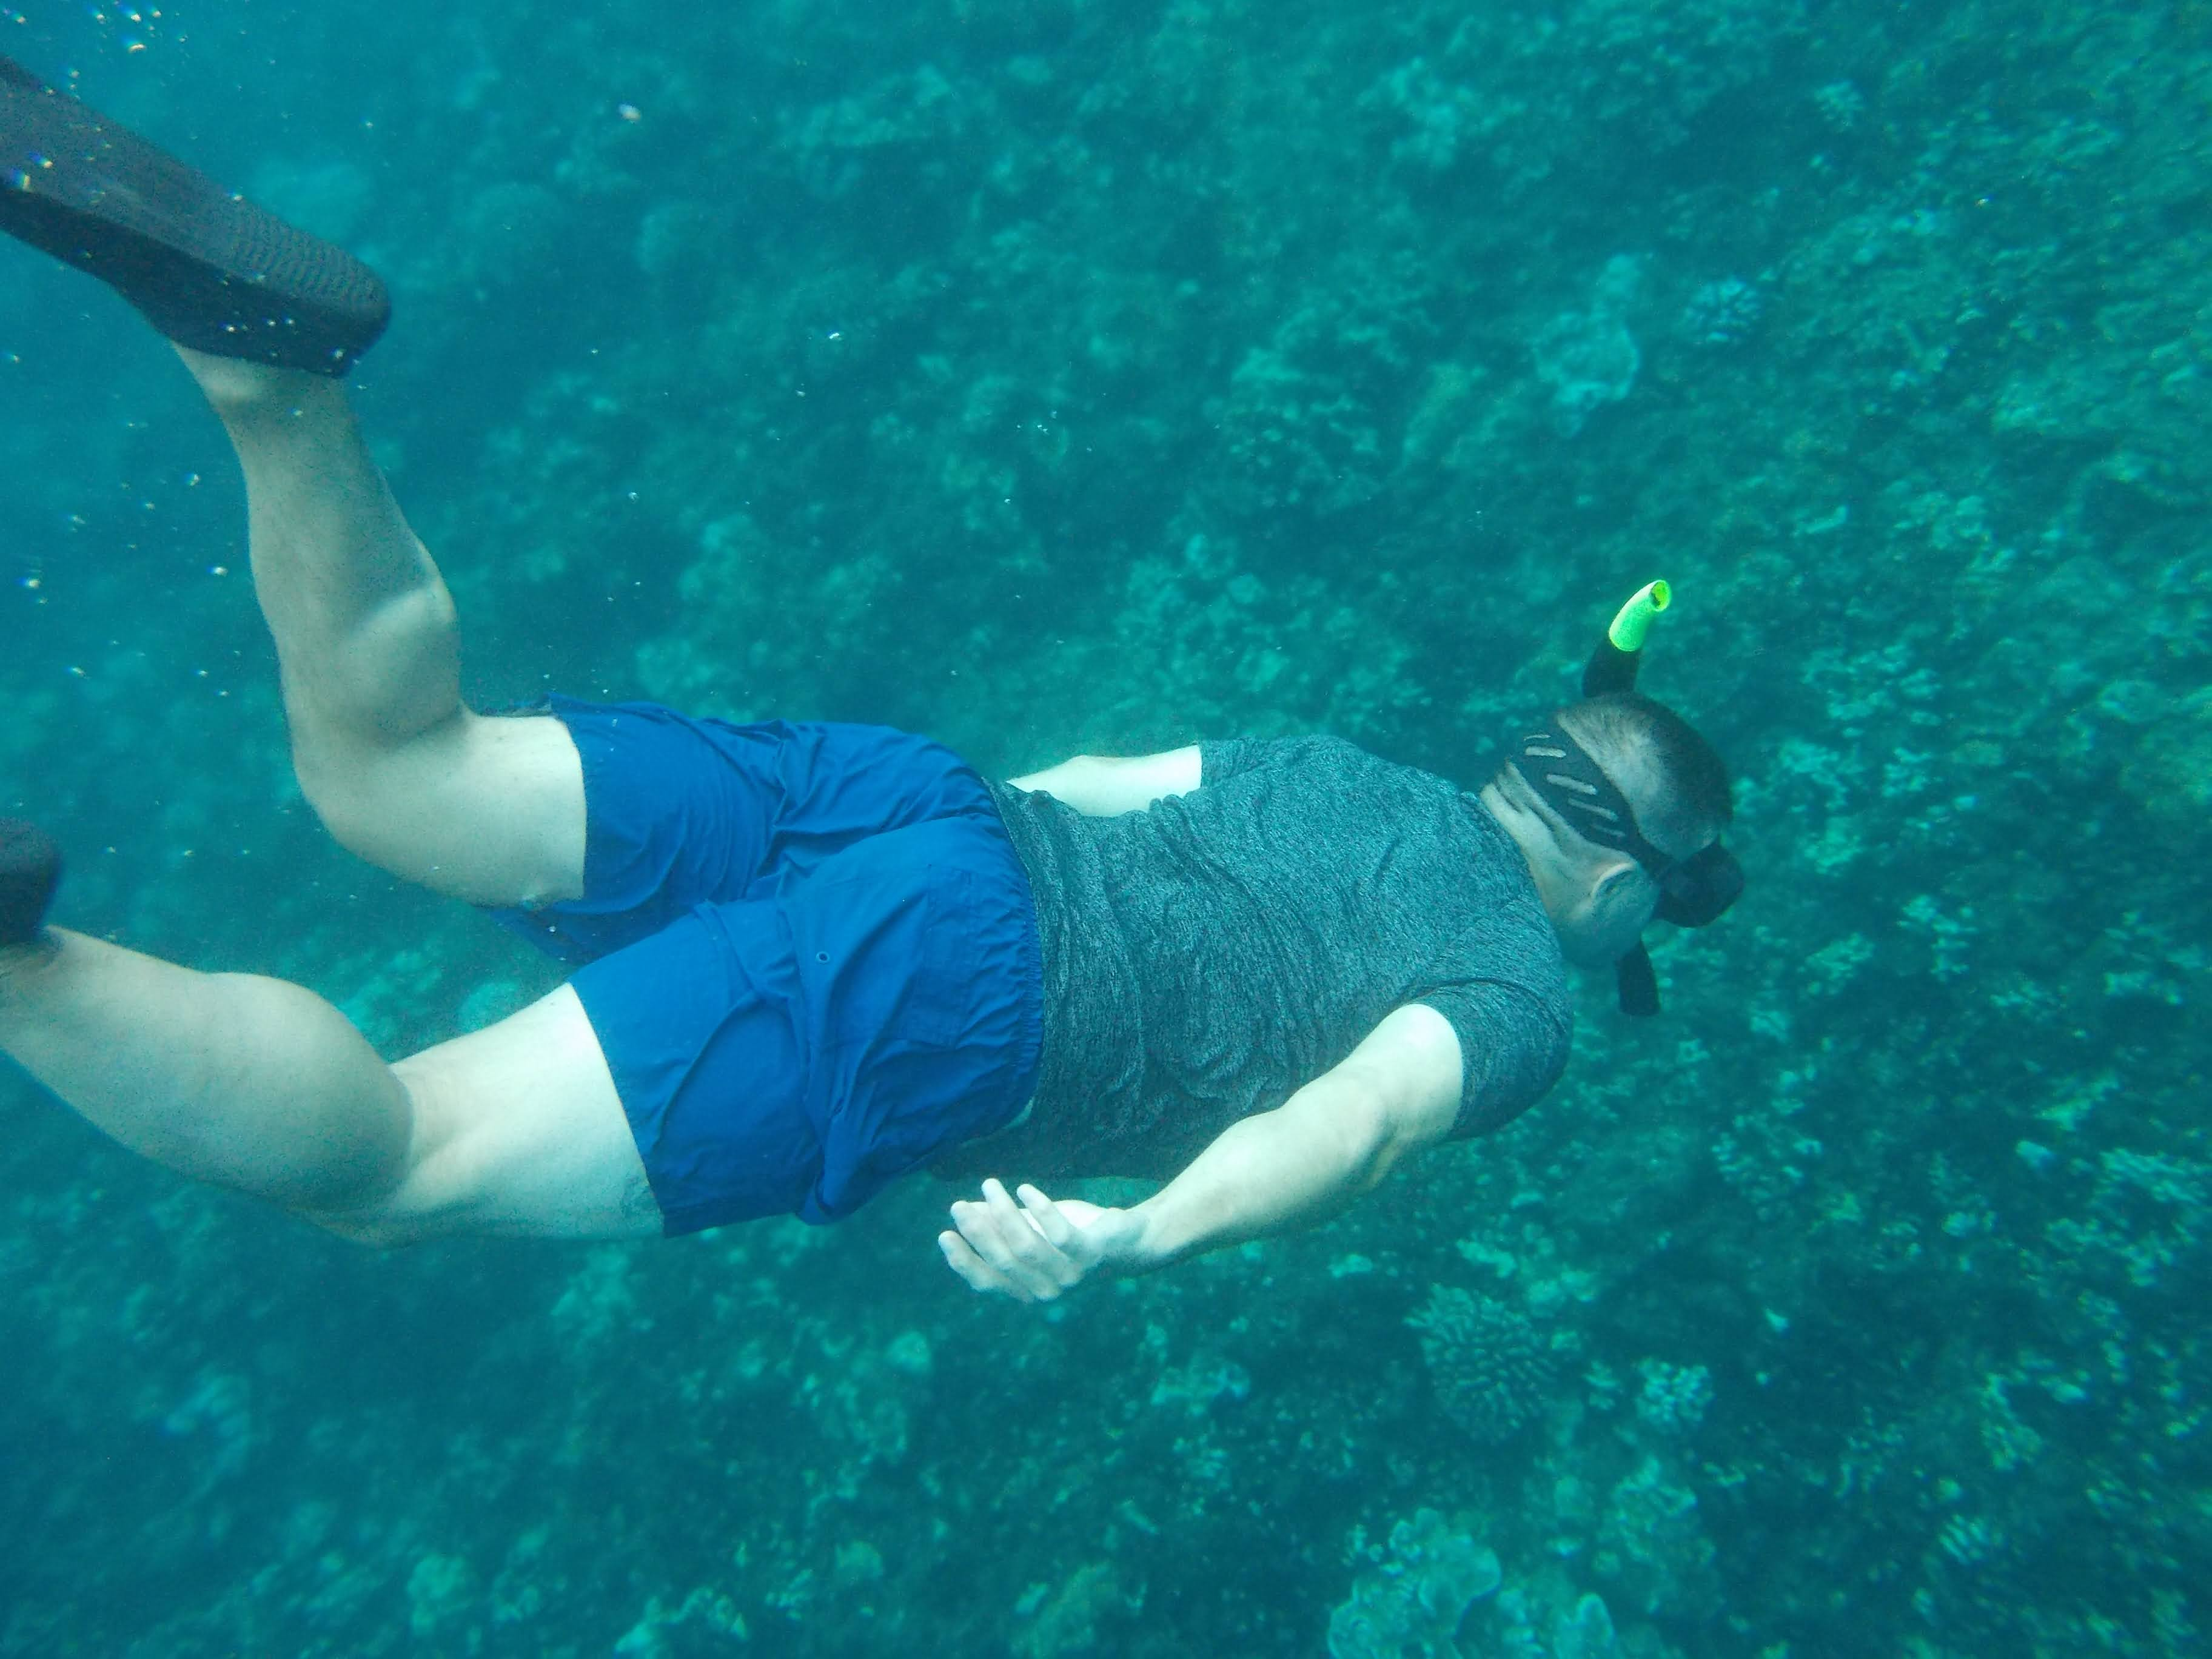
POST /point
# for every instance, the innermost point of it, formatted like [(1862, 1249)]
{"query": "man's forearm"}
[(1275, 1172), (1398, 1092)]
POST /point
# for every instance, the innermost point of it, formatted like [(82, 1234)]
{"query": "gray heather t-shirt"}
[(1207, 958)]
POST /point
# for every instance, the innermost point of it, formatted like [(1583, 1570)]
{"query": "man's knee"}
[(382, 675), (381, 1211)]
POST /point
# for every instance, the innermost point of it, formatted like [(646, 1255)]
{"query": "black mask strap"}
[(1575, 787)]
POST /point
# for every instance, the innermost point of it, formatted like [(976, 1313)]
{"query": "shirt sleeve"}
[(1219, 762), (1512, 1049)]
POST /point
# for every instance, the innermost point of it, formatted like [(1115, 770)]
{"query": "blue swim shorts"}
[(808, 952)]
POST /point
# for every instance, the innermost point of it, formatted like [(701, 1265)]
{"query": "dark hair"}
[(1674, 780)]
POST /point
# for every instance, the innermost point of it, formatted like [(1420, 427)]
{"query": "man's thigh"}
[(489, 809), (519, 1133)]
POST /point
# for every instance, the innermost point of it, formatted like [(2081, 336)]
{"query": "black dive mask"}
[(1692, 891)]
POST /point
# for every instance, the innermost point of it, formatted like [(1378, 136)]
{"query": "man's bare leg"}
[(490, 810), (259, 1085), (251, 1084), (263, 1087)]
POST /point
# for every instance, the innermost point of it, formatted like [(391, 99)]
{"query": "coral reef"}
[(1410, 1604), (1050, 377), (1491, 1369)]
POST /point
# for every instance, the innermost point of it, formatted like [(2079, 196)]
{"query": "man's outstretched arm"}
[(1335, 1139)]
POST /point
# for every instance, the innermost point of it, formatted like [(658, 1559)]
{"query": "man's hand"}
[(1038, 1250)]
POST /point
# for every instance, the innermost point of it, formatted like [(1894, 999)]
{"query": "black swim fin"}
[(208, 268), (30, 870)]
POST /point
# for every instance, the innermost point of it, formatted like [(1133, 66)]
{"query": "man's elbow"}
[(1371, 1138)]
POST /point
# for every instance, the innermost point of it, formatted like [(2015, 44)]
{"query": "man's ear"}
[(1616, 883)]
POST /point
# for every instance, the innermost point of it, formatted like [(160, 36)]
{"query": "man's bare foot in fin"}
[(207, 268)]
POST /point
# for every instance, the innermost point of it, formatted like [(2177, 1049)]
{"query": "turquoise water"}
[(1053, 376)]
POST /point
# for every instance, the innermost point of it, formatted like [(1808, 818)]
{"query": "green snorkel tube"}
[(1612, 666)]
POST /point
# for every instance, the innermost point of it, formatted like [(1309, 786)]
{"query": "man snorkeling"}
[(810, 958)]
